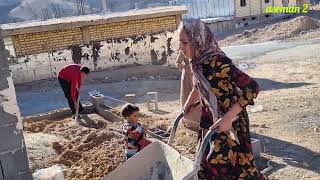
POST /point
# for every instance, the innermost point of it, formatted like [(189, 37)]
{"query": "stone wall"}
[(14, 164)]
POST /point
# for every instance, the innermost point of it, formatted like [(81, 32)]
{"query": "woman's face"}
[(185, 45)]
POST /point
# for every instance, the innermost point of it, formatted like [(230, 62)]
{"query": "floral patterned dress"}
[(228, 159)]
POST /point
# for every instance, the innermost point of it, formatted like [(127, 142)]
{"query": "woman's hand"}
[(191, 107), (187, 110), (225, 123), (179, 61), (191, 99)]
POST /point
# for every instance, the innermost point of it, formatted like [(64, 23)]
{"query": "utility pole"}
[(54, 10)]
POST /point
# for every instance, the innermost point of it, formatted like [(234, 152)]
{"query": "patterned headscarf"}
[(204, 47)]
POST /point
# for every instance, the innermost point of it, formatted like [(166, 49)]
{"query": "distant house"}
[(265, 4), (251, 11), (220, 15), (301, 2), (223, 15)]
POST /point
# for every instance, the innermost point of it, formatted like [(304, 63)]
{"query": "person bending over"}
[(70, 78)]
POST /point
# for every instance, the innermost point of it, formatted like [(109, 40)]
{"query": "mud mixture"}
[(89, 150)]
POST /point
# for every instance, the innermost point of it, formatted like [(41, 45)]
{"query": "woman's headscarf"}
[(204, 47)]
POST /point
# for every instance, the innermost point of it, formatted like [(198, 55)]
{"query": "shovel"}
[(77, 107)]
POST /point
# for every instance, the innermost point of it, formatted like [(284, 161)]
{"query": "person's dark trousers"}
[(66, 87)]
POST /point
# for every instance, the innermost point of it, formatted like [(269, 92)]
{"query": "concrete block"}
[(130, 98), (152, 97), (108, 115), (7, 118), (60, 113), (10, 138), (57, 114), (39, 117), (88, 106), (97, 99), (13, 163)]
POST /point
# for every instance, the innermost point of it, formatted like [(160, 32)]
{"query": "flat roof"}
[(86, 20), (217, 19)]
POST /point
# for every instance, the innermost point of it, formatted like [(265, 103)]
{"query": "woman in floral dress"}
[(224, 93)]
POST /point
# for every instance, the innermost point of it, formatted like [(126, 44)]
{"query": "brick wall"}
[(39, 42), (33, 43), (133, 28)]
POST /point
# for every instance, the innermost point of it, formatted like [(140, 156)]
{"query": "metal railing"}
[(204, 9)]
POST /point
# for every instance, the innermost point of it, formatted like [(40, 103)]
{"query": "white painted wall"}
[(112, 53)]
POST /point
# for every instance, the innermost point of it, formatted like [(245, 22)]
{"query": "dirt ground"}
[(93, 148), (302, 27), (288, 127), (288, 124), (89, 150)]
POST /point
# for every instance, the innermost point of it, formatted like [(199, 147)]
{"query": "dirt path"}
[(289, 123), (288, 126)]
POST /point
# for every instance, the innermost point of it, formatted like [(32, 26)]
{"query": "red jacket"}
[(72, 74)]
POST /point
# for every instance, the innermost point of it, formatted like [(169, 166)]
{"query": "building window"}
[(266, 1), (243, 3)]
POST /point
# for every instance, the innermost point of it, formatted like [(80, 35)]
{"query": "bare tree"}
[(53, 10), (56, 10), (45, 14), (34, 13), (80, 7), (59, 10), (83, 12)]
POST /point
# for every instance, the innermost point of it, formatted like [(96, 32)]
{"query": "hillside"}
[(27, 10)]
